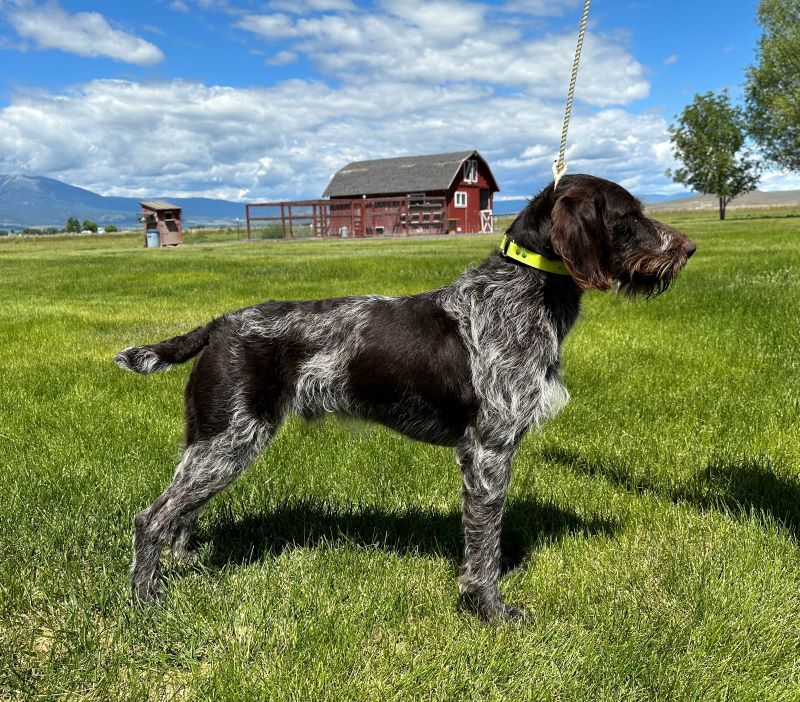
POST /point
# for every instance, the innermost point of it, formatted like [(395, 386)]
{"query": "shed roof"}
[(158, 205), (407, 174)]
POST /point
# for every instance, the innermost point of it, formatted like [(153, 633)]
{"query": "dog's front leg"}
[(486, 470)]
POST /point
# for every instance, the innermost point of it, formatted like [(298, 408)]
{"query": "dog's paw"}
[(149, 591), (499, 611), (509, 613), (493, 609)]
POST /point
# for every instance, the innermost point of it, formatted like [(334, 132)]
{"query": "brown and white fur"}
[(473, 365)]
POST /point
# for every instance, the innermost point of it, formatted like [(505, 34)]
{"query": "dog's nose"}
[(689, 247)]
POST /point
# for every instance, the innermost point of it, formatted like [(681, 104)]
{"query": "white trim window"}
[(460, 200), (471, 171)]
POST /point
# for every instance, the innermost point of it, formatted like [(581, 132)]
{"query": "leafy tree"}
[(89, 225), (72, 225), (709, 135), (111, 228), (772, 92)]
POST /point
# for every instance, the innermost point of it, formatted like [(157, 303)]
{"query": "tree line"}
[(710, 138), (73, 226)]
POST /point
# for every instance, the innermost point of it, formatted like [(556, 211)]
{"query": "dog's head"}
[(600, 232)]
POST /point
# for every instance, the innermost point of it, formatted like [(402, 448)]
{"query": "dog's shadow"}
[(409, 531), (751, 486)]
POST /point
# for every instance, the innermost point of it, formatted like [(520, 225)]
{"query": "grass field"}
[(657, 517)]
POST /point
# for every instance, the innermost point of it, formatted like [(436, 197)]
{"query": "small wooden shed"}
[(163, 218)]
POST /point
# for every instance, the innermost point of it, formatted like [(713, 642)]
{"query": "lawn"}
[(657, 518)]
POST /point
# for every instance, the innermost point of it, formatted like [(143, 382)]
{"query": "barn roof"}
[(158, 205), (407, 174)]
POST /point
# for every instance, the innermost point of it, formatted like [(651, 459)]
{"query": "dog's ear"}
[(579, 234)]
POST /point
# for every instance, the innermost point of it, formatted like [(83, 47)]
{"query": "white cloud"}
[(402, 82), (301, 7), (409, 42), (273, 26), (463, 19), (84, 34), (671, 59), (542, 8), (778, 180), (179, 138), (281, 58)]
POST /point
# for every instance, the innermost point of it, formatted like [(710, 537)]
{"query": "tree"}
[(772, 91), (89, 225), (111, 228), (72, 225), (709, 135)]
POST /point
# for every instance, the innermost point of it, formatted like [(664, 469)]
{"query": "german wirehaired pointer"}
[(473, 365)]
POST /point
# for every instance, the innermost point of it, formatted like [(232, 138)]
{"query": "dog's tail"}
[(161, 356)]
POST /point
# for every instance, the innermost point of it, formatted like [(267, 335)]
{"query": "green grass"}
[(657, 517)]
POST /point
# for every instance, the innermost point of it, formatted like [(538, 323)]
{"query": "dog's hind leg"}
[(207, 467), (486, 471)]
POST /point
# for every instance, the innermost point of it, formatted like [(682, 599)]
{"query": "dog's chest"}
[(515, 368)]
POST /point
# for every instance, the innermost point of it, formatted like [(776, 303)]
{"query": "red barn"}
[(445, 192)]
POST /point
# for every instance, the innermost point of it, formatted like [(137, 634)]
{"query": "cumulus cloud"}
[(396, 80), (300, 7), (281, 58), (407, 41), (84, 33), (183, 138), (542, 8)]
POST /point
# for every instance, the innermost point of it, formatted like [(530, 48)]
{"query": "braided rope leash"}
[(560, 165)]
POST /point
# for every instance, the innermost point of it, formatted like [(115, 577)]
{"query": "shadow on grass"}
[(527, 524), (740, 486)]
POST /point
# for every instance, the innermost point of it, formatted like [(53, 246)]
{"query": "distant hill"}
[(35, 201), (654, 203), (512, 206), (757, 198)]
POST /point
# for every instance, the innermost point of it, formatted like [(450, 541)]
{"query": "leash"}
[(560, 165), (510, 248)]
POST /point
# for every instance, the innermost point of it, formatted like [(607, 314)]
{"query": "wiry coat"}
[(472, 365)]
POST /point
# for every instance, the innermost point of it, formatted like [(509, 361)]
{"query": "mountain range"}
[(756, 198), (35, 201)]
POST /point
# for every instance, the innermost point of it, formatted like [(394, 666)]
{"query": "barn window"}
[(471, 171), (461, 198)]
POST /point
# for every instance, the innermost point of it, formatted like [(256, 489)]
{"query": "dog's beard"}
[(648, 274)]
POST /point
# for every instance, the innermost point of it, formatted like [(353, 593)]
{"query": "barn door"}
[(487, 222)]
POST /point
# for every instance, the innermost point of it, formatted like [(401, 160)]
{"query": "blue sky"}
[(265, 100)]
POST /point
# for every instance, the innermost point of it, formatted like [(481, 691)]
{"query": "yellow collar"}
[(529, 258)]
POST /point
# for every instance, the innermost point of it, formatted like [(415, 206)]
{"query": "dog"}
[(473, 365)]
